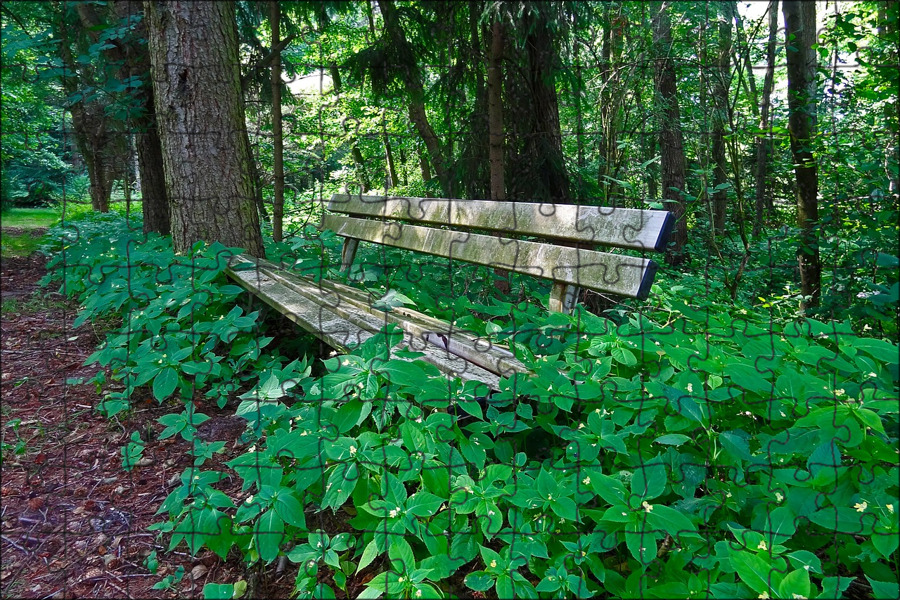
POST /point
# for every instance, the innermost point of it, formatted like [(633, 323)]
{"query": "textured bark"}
[(135, 58), (671, 140), (277, 137), (495, 112), (764, 143), (94, 140), (800, 36), (546, 136), (610, 105), (194, 57), (415, 91), (720, 119)]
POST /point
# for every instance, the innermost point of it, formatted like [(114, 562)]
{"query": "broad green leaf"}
[(423, 504), (164, 383), (479, 581), (886, 590), (672, 439), (368, 555), (268, 534), (796, 583), (648, 482), (755, 571)]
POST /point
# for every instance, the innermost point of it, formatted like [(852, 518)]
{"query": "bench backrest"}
[(562, 253)]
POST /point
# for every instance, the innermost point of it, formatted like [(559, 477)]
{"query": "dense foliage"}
[(734, 436), (693, 446)]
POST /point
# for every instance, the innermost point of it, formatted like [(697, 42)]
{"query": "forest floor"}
[(74, 522)]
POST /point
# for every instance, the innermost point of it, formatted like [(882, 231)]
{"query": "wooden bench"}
[(559, 246)]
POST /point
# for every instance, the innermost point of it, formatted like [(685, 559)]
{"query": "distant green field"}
[(24, 244), (29, 218)]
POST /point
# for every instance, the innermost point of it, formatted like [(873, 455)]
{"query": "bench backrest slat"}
[(620, 227), (613, 273)]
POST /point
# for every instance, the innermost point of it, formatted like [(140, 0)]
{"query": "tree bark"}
[(196, 71), (720, 118), (415, 92), (671, 140), (764, 143), (546, 133), (800, 37), (495, 112), (277, 133)]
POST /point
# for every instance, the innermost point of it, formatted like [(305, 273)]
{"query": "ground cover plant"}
[(684, 448)]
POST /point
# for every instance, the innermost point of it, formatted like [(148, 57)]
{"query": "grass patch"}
[(30, 218), (19, 245)]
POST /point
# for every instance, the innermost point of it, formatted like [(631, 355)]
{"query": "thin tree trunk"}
[(742, 54), (495, 133), (415, 91), (388, 155), (800, 37), (720, 103), (495, 112), (277, 133), (671, 140), (196, 71), (764, 144)]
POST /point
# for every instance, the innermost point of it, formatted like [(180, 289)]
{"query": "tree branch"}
[(267, 59)]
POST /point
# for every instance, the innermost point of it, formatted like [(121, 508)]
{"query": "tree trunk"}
[(196, 71), (495, 133), (388, 156), (277, 137), (720, 104), (495, 112), (546, 133), (415, 91), (800, 37), (764, 143), (671, 140)]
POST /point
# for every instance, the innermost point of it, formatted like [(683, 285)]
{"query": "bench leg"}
[(563, 297), (348, 253)]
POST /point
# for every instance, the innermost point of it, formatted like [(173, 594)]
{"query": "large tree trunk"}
[(546, 132), (800, 37), (764, 143), (277, 138), (194, 57), (720, 118), (671, 140)]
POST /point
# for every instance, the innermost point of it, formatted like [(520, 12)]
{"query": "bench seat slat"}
[(345, 328), (620, 227), (601, 271)]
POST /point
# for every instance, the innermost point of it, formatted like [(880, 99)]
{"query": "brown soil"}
[(74, 523)]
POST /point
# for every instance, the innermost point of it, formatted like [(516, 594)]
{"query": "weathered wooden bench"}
[(554, 242)]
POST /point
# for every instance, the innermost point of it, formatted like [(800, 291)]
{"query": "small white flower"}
[(762, 546), (586, 481), (779, 497), (861, 506), (647, 506), (690, 388), (400, 580), (764, 595), (493, 563), (394, 512), (581, 426), (418, 593), (352, 450), (549, 496), (890, 508)]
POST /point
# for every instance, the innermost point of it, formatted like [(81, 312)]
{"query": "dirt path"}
[(74, 523)]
